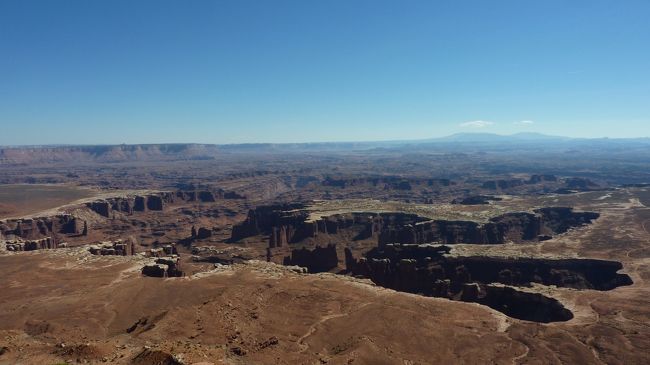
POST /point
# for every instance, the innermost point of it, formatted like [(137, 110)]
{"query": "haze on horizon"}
[(81, 72)]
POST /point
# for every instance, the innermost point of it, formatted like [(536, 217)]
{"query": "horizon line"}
[(544, 137)]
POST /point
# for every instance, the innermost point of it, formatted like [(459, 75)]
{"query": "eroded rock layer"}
[(320, 259), (157, 201), (429, 270), (288, 224), (35, 228)]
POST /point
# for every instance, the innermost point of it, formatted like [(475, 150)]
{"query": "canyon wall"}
[(156, 201), (35, 228), (429, 270), (288, 224)]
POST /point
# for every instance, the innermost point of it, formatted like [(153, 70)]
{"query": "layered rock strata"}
[(492, 281), (113, 248), (288, 224), (32, 245), (36, 228)]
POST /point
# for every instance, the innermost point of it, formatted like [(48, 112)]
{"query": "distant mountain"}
[(492, 137)]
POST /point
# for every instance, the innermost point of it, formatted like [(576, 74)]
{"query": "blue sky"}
[(299, 71)]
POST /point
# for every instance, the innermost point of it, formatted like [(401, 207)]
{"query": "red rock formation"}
[(264, 218), (31, 245), (387, 182), (34, 228), (113, 248), (169, 266), (508, 227), (102, 208), (203, 233), (320, 259), (427, 270), (139, 204), (155, 202)]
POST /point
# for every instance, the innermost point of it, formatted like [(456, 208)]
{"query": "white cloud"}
[(525, 122), (476, 124)]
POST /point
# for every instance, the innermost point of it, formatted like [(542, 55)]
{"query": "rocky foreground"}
[(261, 313)]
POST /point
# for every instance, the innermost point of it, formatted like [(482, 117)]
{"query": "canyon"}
[(196, 254)]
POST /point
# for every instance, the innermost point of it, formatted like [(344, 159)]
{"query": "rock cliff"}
[(429, 270), (288, 224), (35, 228), (320, 259)]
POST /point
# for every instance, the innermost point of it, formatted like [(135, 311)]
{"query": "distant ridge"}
[(84, 154), (107, 153), (492, 137)]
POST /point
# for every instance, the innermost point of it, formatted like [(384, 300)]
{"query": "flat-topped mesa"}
[(386, 182), (287, 224), (32, 245), (359, 225), (430, 271), (35, 228), (113, 248), (156, 201), (261, 220), (562, 185), (580, 184), (129, 205), (207, 195), (513, 183), (514, 227)]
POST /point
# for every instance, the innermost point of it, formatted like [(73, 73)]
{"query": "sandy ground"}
[(26, 199)]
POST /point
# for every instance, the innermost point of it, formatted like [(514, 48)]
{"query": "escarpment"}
[(513, 183), (129, 205), (386, 182), (515, 227), (35, 228), (320, 259), (550, 182), (314, 259), (391, 250), (32, 245), (157, 201), (263, 219), (492, 281), (289, 224), (437, 264)]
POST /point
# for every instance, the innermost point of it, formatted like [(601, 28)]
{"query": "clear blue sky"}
[(298, 71)]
